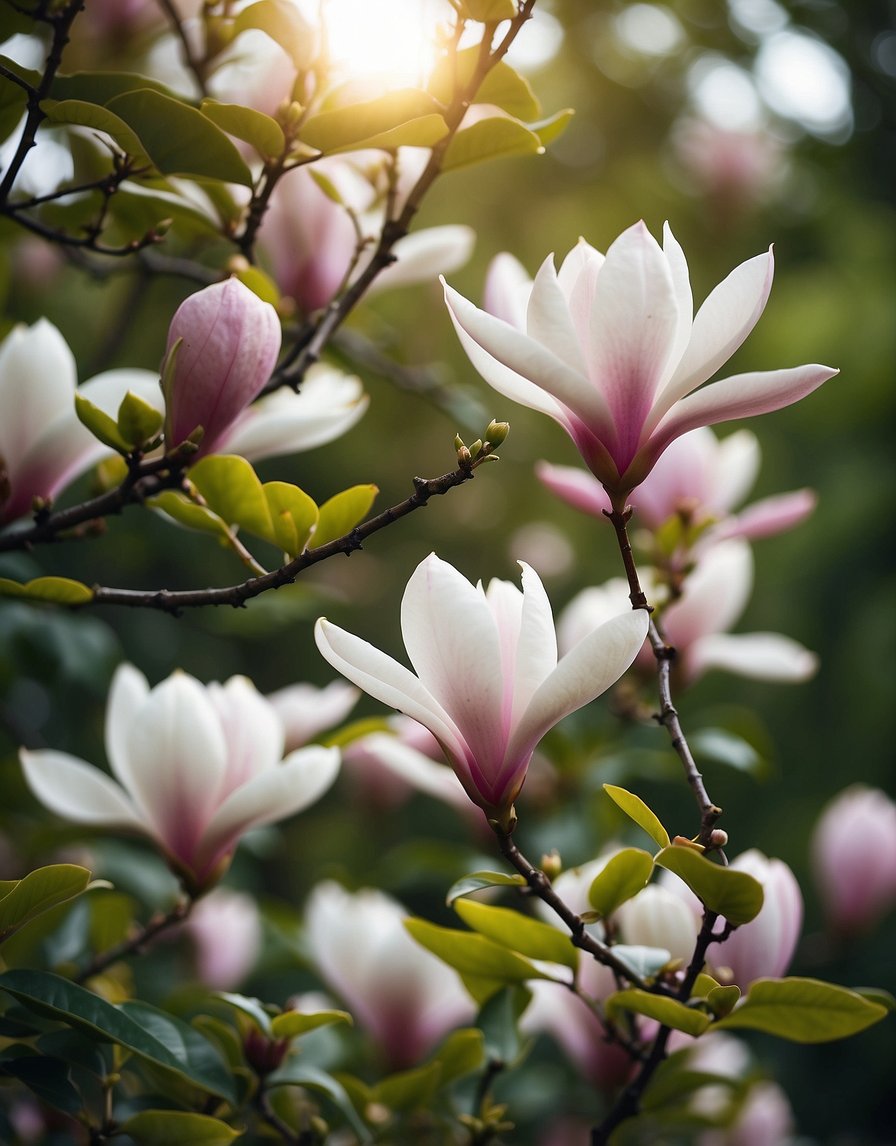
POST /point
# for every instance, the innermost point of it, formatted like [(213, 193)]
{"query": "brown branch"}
[(194, 65), (133, 946)]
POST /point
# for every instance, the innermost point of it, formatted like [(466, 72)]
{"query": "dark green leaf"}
[(499, 1022), (199, 1060), (48, 1078), (178, 1128)]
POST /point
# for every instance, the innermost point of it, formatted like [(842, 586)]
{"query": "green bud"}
[(458, 442), (476, 448), (497, 432)]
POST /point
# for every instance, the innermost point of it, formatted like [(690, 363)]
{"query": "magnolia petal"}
[(507, 289), (127, 694), (588, 669), (37, 382), (62, 453), (575, 486), (681, 284), (306, 710), (386, 680), (78, 791), (548, 319), (736, 468), (760, 656), (424, 255), (721, 324), (302, 778), (536, 651), (713, 596), (769, 516), (418, 770), (577, 279), (252, 730)]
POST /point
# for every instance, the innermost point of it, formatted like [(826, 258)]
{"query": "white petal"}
[(714, 594), (418, 770), (577, 279), (78, 791), (127, 693), (737, 466), (252, 729), (681, 283), (536, 653), (761, 656), (37, 385), (587, 670), (548, 319), (424, 255), (306, 710), (507, 289)]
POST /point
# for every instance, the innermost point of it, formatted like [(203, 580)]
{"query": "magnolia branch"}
[(134, 945)]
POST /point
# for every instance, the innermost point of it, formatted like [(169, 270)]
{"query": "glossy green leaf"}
[(877, 995), (37, 892), (84, 114), (635, 808), (100, 425), (264, 133), (101, 87), (293, 516), (138, 421), (669, 1012), (342, 512), (460, 1054), (409, 1089), (472, 954), (179, 139), (296, 1072), (495, 138), (284, 23), (152, 1035), (291, 1024), (530, 937), (251, 1007), (47, 1077), (231, 489), (624, 875), (477, 880), (401, 118), (59, 590), (803, 1010), (553, 126), (503, 86), (488, 11), (734, 894), (188, 513), (178, 1128), (722, 1000)]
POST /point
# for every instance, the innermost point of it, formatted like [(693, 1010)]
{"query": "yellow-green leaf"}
[(290, 1024), (343, 511), (84, 114), (264, 133), (503, 86), (286, 26), (635, 808), (186, 512), (177, 1128), (138, 421), (624, 875), (402, 118), (488, 11), (472, 954), (259, 283), (59, 590), (231, 488), (23, 899), (293, 516), (734, 894), (530, 937), (477, 880), (409, 1089), (669, 1012), (722, 1000), (498, 137), (551, 128), (803, 1010), (100, 425)]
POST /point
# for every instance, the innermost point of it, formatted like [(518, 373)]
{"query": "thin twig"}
[(132, 946)]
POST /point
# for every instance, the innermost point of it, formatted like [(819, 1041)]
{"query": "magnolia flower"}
[(223, 343), (305, 710), (699, 479), (713, 597), (405, 997), (195, 768), (854, 858), (656, 917), (43, 445), (225, 927), (611, 350), (488, 683)]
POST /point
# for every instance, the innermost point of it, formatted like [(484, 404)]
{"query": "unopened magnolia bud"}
[(496, 432), (718, 838), (551, 864)]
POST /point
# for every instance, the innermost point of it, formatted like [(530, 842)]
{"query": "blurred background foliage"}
[(744, 124)]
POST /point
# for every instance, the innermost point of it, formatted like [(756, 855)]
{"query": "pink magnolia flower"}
[(405, 997), (195, 768), (229, 342), (225, 927), (488, 683), (854, 858), (698, 478), (612, 350), (43, 445)]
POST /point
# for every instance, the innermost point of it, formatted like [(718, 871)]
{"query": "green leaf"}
[(803, 1011), (624, 875), (188, 513), (262, 131), (722, 1000), (59, 590), (343, 511), (295, 1072), (495, 138), (138, 421), (460, 1054), (635, 808), (472, 954), (401, 118), (409, 1089), (503, 86), (734, 894), (179, 139), (37, 892), (530, 937), (101, 87), (259, 283), (499, 1021), (674, 1082), (669, 1012), (293, 516), (291, 1024), (169, 1044), (488, 11), (284, 23), (231, 489), (477, 880), (84, 114), (100, 424), (553, 126), (251, 1007), (177, 1128), (46, 1077)]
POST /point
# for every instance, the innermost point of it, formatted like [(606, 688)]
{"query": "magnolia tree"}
[(220, 170)]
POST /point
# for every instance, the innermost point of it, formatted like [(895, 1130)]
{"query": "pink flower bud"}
[(854, 858), (228, 344)]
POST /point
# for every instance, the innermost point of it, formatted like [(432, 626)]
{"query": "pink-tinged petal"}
[(736, 468), (760, 656), (453, 643), (536, 651), (575, 486), (548, 319), (741, 396), (177, 757), (507, 289), (681, 283), (632, 333), (127, 695), (418, 770), (306, 710), (252, 730), (720, 326), (770, 516), (77, 791), (714, 594), (387, 681), (64, 451), (587, 670), (523, 369), (424, 255), (591, 608), (299, 781), (37, 382), (577, 279)]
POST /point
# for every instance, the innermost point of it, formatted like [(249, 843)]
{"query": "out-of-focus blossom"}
[(43, 445), (488, 683), (765, 1118), (612, 350), (195, 768), (305, 710), (656, 917), (733, 168), (854, 858), (698, 479), (226, 931), (312, 240), (713, 597), (402, 995), (228, 342)]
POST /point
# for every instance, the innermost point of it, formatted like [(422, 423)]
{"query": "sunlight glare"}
[(390, 41)]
